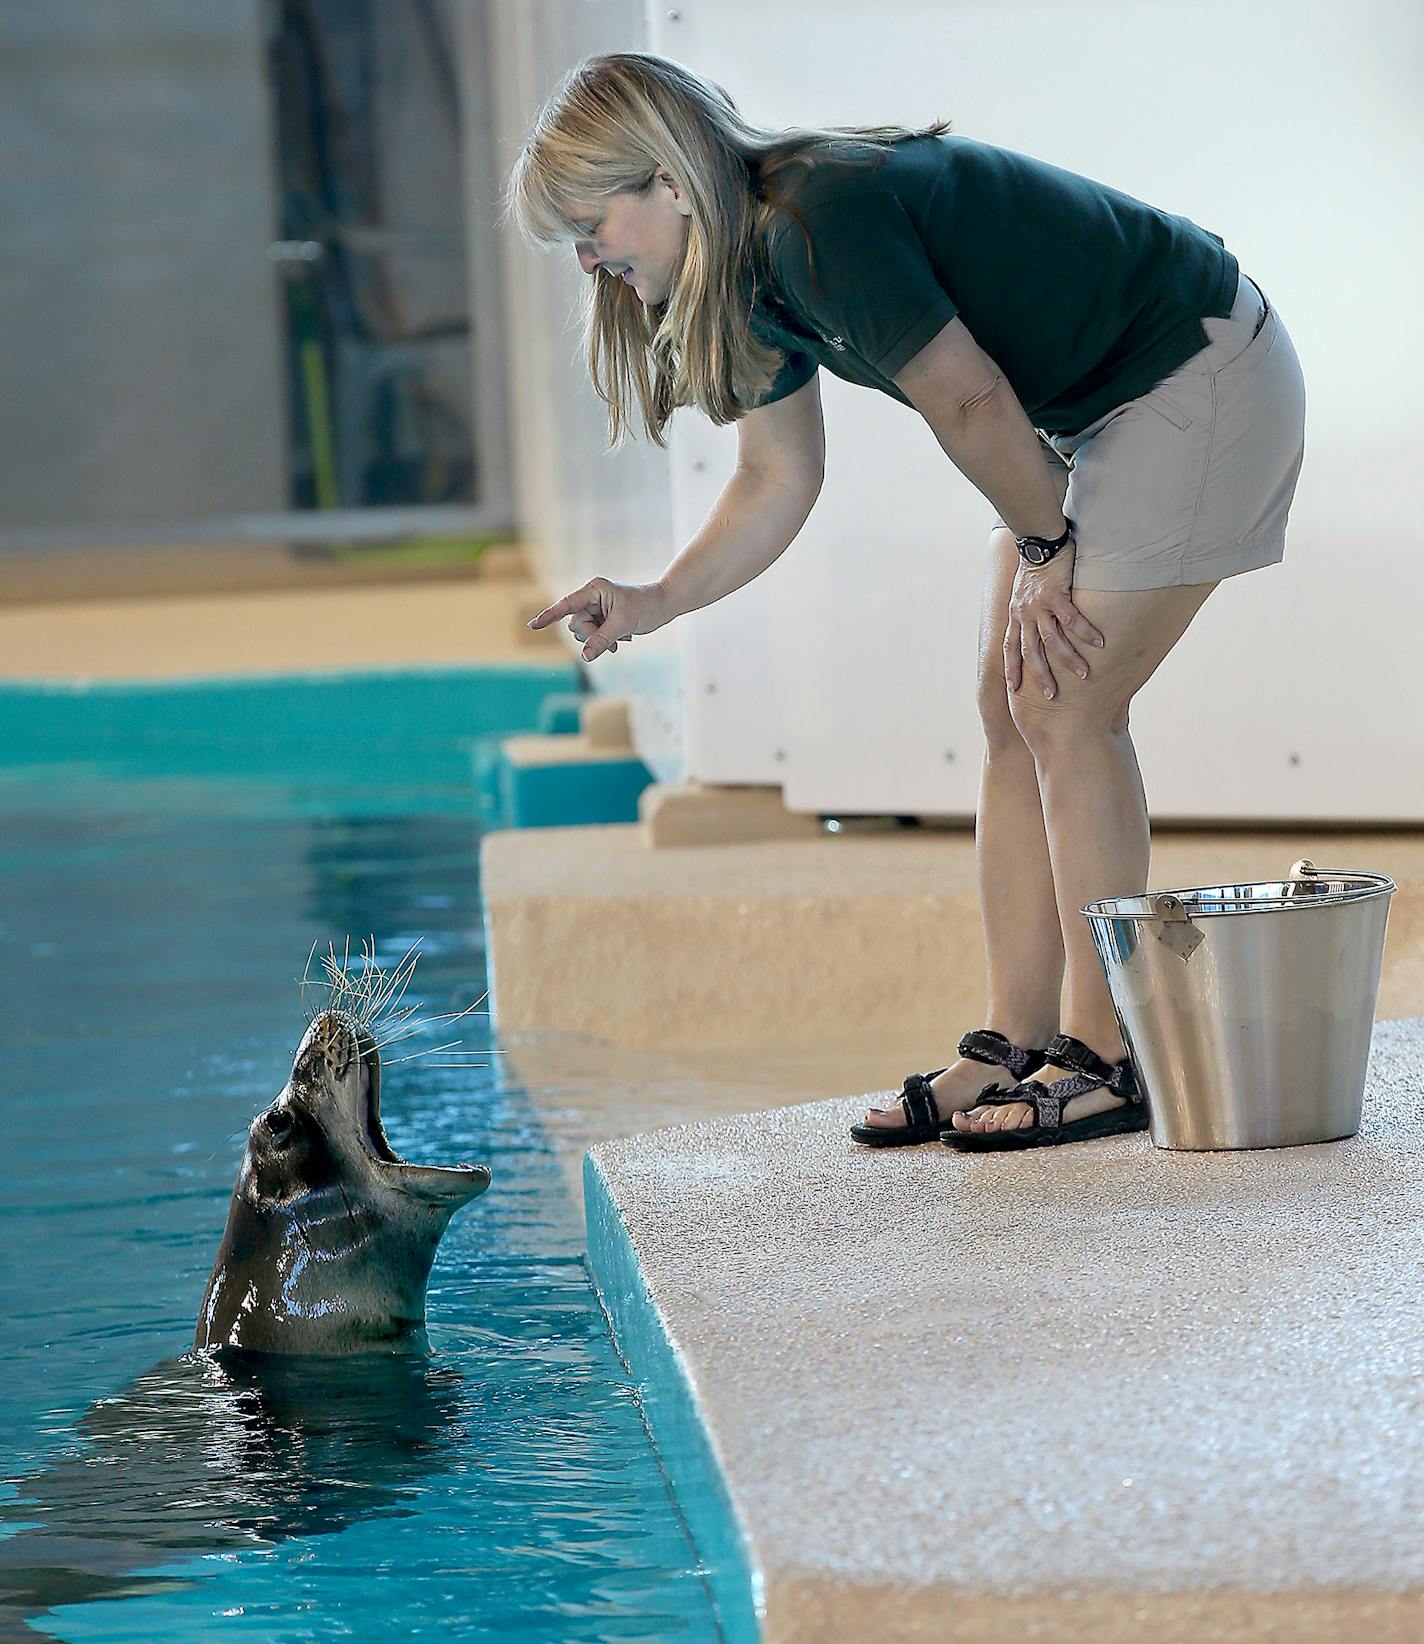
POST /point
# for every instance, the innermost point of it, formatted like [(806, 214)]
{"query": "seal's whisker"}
[(382, 979), (394, 1038), (336, 977), (397, 1019), (352, 984), (389, 1003), (452, 1045), (378, 993), (408, 1021), (399, 978), (374, 996), (455, 1015), (374, 983), (403, 1038), (306, 977), (443, 1016), (404, 1014), (399, 1038), (433, 1050), (416, 1055), (394, 1013), (226, 1139)]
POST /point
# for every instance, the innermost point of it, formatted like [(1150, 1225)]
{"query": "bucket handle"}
[(1173, 925), (1308, 880), (1304, 878)]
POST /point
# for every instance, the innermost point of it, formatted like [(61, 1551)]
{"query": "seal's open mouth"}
[(371, 1106), (452, 1185)]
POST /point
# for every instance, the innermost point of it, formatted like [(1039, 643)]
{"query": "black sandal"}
[(922, 1120), (1091, 1072)]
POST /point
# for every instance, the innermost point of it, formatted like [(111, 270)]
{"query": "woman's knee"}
[(1077, 709), (1140, 628), (996, 715)]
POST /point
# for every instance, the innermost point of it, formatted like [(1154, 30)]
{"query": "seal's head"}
[(330, 1235)]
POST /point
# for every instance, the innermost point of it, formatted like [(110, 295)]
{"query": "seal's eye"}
[(279, 1123)]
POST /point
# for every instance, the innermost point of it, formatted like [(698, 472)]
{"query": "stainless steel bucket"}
[(1247, 1009)]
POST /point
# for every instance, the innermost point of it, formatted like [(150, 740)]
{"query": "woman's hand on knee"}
[(1043, 624)]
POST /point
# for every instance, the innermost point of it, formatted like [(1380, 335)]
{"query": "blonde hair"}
[(611, 125)]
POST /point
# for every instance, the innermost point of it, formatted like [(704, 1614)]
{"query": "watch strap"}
[(1039, 550)]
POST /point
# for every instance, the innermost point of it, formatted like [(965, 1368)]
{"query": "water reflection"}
[(211, 1452)]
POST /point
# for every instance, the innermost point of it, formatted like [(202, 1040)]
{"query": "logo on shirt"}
[(837, 343)]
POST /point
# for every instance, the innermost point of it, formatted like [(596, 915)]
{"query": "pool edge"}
[(669, 1404)]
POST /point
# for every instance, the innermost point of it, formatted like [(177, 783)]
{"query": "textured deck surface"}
[(1139, 1393)]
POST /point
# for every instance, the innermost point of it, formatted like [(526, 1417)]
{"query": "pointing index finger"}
[(561, 608)]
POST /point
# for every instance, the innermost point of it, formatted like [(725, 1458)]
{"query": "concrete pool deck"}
[(1102, 1392), (788, 1279), (335, 617)]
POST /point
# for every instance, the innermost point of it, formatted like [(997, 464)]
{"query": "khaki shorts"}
[(1191, 481)]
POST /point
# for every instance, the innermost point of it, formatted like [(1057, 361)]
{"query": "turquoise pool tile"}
[(388, 729), (561, 715), (515, 795), (670, 1408)]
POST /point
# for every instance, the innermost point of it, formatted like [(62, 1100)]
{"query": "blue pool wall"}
[(381, 734), (394, 728), (696, 1476)]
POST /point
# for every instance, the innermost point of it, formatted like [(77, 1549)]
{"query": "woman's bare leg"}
[(1023, 942), (1099, 839)]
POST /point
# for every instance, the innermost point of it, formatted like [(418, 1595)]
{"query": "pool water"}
[(151, 937)]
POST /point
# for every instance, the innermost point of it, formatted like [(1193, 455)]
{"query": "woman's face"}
[(638, 237)]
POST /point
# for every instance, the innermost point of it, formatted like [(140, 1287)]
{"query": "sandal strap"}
[(1049, 1107), (1062, 1050), (998, 1095), (1047, 1101), (984, 1045), (918, 1102)]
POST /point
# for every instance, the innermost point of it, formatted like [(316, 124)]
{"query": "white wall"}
[(1290, 127)]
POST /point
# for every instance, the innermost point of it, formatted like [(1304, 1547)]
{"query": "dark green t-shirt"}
[(1083, 296)]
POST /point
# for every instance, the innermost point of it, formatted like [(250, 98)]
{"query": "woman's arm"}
[(985, 432), (780, 462), (781, 453)]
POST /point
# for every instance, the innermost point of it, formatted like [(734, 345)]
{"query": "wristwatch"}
[(1039, 550)]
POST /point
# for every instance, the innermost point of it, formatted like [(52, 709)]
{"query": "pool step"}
[(696, 813), (820, 940), (581, 770)]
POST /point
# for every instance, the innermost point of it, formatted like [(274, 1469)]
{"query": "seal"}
[(330, 1234), (257, 1436)]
